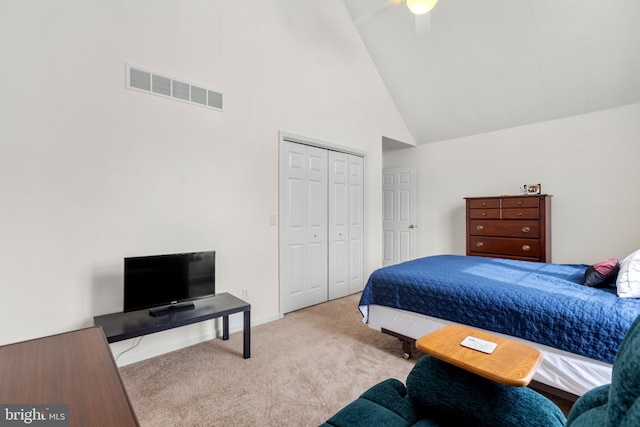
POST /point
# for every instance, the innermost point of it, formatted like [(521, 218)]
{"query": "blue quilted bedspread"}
[(543, 303)]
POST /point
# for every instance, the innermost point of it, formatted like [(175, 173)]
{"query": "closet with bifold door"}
[(321, 233)]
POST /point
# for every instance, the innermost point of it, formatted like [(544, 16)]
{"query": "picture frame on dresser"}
[(532, 189)]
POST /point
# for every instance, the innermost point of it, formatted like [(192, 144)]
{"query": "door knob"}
[(413, 226)]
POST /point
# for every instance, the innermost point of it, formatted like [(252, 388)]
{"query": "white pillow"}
[(628, 281)]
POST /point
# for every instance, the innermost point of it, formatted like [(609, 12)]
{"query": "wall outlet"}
[(245, 294)]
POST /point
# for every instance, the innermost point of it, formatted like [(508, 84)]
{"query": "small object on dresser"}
[(532, 189)]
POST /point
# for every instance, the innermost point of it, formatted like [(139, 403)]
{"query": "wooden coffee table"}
[(511, 363)]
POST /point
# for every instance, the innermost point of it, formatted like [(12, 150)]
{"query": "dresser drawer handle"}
[(519, 213), (480, 227), (526, 229), (520, 203), (484, 203), (526, 248), (484, 214), (479, 244)]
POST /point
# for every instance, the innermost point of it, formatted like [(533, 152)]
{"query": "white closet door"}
[(303, 222), (321, 248), (346, 224), (356, 224), (338, 224)]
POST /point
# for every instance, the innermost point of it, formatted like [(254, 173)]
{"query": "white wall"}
[(589, 163), (91, 172)]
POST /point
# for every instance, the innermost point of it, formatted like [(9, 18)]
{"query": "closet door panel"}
[(303, 222), (338, 224), (316, 260), (356, 224)]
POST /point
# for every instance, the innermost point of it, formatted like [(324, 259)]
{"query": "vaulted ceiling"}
[(485, 65)]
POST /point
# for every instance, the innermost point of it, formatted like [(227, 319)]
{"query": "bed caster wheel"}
[(406, 356)]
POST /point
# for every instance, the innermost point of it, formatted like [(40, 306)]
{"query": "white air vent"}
[(140, 79)]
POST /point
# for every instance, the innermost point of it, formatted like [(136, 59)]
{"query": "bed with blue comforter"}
[(539, 302)]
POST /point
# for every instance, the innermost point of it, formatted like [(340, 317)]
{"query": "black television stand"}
[(173, 308), (124, 326)]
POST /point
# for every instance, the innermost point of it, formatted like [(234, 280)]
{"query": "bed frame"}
[(561, 373)]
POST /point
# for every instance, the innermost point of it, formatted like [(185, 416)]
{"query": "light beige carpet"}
[(303, 368)]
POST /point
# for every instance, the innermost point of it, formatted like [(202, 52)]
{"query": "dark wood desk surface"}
[(74, 368)]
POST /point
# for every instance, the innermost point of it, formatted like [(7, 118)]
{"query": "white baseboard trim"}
[(127, 352)]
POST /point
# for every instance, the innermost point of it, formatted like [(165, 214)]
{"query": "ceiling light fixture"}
[(420, 7)]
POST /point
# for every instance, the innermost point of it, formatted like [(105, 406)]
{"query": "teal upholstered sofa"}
[(439, 394)]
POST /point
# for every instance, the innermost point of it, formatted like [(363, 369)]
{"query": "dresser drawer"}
[(521, 202), (524, 213), (506, 256), (484, 203), (484, 213), (497, 245), (523, 229)]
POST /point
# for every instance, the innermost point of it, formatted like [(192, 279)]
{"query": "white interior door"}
[(399, 215), (303, 222)]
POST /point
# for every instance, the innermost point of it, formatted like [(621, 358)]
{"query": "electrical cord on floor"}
[(129, 349)]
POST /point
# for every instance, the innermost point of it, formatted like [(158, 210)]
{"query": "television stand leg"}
[(246, 348), (246, 333), (225, 327)]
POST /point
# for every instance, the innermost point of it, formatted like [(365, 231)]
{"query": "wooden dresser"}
[(514, 227)]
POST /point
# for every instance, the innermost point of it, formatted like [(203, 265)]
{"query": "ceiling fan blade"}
[(375, 13)]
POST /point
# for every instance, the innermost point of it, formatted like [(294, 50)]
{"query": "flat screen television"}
[(167, 283)]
